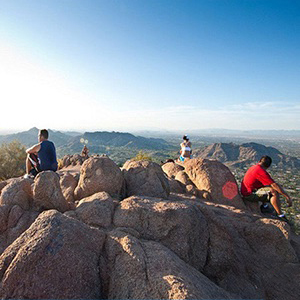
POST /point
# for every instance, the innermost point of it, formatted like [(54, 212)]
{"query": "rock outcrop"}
[(56, 258), (146, 246), (99, 174), (96, 210), (47, 192), (158, 220), (148, 270), (13, 222), (183, 178), (72, 160), (68, 183), (171, 169), (17, 192), (216, 179), (145, 178)]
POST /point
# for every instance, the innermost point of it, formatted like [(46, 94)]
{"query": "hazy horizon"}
[(194, 132), (149, 65)]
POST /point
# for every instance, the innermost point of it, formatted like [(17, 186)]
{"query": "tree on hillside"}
[(142, 156), (12, 160)]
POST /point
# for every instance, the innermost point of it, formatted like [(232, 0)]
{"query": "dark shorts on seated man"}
[(260, 195), (35, 164)]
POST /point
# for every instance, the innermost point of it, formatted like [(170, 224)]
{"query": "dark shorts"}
[(35, 164), (263, 195)]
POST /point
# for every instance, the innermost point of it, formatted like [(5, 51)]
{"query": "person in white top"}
[(186, 149)]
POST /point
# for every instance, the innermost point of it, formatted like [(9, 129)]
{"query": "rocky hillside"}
[(245, 154), (141, 232)]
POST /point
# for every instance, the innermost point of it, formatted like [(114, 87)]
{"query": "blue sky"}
[(131, 65)]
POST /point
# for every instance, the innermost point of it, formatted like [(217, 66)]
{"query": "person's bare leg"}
[(275, 201), (28, 164)]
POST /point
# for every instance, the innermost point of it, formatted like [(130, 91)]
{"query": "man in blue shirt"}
[(41, 157)]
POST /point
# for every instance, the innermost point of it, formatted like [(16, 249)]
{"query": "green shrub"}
[(142, 156), (12, 160)]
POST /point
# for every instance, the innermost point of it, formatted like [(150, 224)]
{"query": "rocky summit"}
[(96, 231)]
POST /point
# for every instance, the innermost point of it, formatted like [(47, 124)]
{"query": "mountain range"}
[(243, 155), (121, 146), (97, 142)]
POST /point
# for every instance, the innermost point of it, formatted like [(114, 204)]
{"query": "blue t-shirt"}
[(47, 156)]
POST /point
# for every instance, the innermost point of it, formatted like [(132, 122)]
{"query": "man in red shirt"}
[(258, 185)]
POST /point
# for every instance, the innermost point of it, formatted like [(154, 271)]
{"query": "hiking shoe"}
[(26, 176), (283, 218), (266, 210)]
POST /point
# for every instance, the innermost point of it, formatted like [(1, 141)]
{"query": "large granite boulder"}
[(68, 183), (214, 177), (56, 258), (243, 251), (13, 222), (99, 174), (183, 178), (96, 210), (148, 270), (171, 169), (47, 192), (145, 178), (176, 186), (17, 192), (179, 225)]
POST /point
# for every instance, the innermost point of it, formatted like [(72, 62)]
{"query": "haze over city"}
[(148, 65)]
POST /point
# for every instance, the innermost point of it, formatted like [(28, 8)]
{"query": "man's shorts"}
[(263, 195), (35, 164)]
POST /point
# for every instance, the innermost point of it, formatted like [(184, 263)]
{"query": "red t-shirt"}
[(256, 177)]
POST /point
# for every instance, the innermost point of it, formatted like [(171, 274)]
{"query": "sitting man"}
[(258, 185), (41, 157)]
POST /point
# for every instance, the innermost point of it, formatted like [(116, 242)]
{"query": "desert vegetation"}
[(12, 160)]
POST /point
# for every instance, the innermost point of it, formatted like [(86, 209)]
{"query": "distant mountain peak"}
[(33, 130), (247, 153)]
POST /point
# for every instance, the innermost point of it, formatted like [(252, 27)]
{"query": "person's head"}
[(265, 161), (43, 135), (185, 138)]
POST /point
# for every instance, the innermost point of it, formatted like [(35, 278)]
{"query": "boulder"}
[(66, 161), (171, 169), (76, 159), (56, 258), (96, 210), (13, 222), (145, 178), (179, 225), (47, 192), (3, 184), (68, 183), (99, 174), (17, 192), (245, 249), (148, 270), (214, 177), (273, 238), (4, 211), (176, 186), (183, 178), (192, 190)]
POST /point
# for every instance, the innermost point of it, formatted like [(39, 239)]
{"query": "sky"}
[(149, 65)]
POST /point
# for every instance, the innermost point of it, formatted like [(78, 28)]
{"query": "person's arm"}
[(281, 191), (34, 149)]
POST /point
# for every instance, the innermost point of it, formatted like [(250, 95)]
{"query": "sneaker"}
[(28, 176), (284, 218), (266, 210)]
